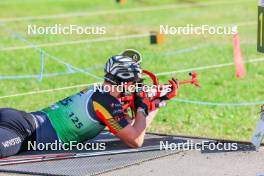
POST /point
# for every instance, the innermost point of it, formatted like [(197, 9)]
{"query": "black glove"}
[(141, 102)]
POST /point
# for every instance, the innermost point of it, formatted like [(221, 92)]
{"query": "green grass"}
[(218, 85)]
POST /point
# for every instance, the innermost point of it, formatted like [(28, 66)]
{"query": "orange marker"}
[(238, 59)]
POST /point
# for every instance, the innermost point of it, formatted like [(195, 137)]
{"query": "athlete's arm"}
[(110, 112), (133, 135)]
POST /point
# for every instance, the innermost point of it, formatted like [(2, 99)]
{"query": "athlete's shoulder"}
[(109, 110), (107, 100)]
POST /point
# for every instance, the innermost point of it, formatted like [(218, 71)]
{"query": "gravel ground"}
[(193, 163)]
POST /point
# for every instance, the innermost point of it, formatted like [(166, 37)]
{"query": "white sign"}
[(259, 131)]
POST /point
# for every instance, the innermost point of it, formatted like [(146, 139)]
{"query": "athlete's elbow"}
[(132, 138), (136, 143)]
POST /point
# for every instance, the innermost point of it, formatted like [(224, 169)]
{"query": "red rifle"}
[(128, 100)]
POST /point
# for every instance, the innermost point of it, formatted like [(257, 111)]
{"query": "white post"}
[(259, 131)]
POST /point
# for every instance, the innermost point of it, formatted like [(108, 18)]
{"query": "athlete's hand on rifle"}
[(174, 90), (142, 102)]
